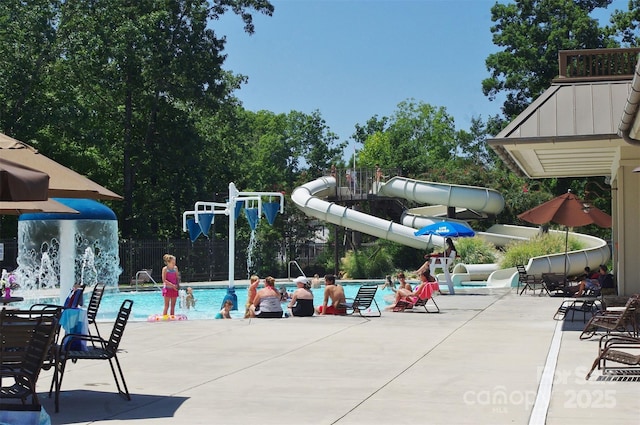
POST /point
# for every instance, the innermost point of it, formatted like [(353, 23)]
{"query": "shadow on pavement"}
[(87, 406)]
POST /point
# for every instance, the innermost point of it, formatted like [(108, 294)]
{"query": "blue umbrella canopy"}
[(451, 229)]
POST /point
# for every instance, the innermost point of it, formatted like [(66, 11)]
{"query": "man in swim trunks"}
[(335, 293)]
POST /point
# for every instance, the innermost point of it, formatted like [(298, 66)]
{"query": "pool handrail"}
[(297, 266), (145, 272)]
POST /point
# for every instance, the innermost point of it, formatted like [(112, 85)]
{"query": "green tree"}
[(417, 136), (374, 125), (531, 32), (137, 67), (320, 146), (626, 24), (27, 36), (472, 144)]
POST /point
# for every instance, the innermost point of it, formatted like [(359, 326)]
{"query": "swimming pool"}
[(208, 302)]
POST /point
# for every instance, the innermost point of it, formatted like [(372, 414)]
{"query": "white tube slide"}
[(471, 197), (596, 252), (305, 198)]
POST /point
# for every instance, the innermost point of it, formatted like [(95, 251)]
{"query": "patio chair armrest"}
[(607, 341), (64, 345), (37, 308), (13, 373)]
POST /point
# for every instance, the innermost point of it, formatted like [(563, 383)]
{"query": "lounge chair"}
[(423, 298), (99, 349), (363, 301), (40, 331), (590, 303), (528, 281), (616, 349), (622, 321), (556, 283)]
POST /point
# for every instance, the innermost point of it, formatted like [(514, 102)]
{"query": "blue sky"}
[(353, 59)]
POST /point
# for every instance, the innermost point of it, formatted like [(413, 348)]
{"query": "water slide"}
[(308, 198)]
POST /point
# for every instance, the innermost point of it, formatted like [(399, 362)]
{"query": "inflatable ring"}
[(166, 317)]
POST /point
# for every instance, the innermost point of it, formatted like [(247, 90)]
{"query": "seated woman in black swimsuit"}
[(302, 299)]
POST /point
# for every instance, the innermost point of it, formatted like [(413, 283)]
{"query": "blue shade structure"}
[(271, 210), (205, 220), (252, 217), (194, 229), (239, 206)]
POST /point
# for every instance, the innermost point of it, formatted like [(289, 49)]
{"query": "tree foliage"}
[(626, 24), (530, 33), (417, 136)]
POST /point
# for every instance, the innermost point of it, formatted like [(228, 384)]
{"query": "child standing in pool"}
[(225, 313), (170, 284)]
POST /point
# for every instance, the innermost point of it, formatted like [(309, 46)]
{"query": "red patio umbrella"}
[(569, 211)]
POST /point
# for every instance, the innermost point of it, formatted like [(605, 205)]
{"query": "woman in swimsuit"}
[(266, 304), (302, 299)]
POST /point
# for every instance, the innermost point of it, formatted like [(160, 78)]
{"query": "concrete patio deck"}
[(480, 361)]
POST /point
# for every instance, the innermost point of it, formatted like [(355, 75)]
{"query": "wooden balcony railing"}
[(597, 64)]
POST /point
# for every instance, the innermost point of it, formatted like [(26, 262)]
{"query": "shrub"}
[(520, 252), (368, 263), (475, 250)]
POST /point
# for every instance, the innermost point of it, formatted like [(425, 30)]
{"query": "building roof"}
[(568, 131)]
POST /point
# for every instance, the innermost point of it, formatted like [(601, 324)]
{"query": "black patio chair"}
[(529, 281), (363, 301), (16, 326), (94, 305), (589, 303), (98, 349)]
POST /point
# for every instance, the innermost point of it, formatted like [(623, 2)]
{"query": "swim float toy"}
[(166, 317)]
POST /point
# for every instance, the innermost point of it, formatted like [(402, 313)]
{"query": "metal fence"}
[(203, 260)]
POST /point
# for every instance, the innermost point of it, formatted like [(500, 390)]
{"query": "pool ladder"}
[(146, 278), (297, 266)]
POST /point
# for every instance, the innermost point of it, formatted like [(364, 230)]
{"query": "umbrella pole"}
[(566, 248)]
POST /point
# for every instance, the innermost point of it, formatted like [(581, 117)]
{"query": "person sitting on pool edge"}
[(266, 303), (301, 304), (335, 293), (254, 281)]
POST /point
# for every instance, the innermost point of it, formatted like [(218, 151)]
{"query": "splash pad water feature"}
[(204, 213), (63, 249)]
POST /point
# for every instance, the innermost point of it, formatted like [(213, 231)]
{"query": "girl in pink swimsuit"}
[(170, 284)]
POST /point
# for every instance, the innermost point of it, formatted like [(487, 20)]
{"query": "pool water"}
[(208, 302)]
